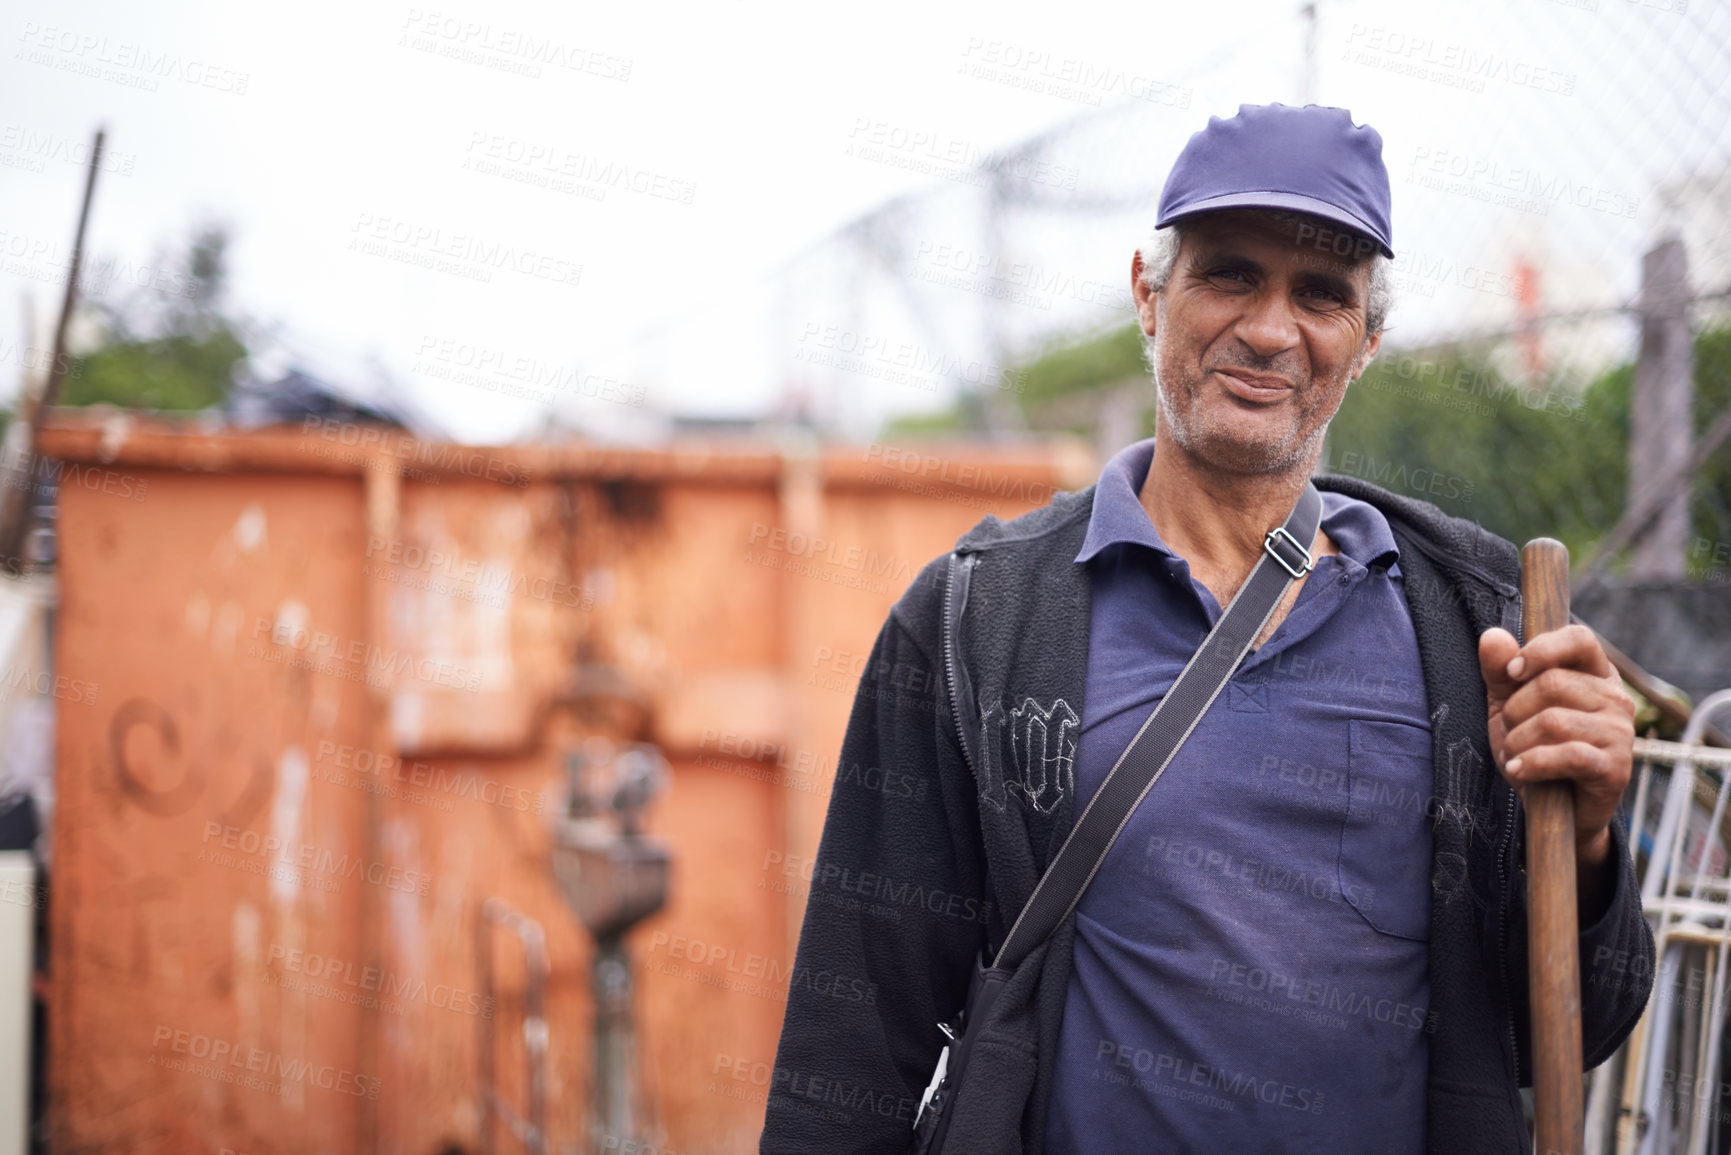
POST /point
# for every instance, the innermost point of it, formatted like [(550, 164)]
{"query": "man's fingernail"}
[(1514, 765), (1516, 666)]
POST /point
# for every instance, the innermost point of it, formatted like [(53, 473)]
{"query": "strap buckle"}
[(1279, 536)]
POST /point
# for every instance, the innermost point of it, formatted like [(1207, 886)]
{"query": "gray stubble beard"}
[(1190, 431)]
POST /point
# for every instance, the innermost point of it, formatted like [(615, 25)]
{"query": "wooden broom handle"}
[(1553, 948)]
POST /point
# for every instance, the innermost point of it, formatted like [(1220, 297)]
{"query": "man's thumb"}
[(1497, 648)]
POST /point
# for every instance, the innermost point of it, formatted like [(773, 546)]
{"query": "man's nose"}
[(1269, 324)]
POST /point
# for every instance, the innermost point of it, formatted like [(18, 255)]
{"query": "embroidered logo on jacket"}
[(1041, 746)]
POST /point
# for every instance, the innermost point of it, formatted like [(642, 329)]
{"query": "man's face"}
[(1255, 338)]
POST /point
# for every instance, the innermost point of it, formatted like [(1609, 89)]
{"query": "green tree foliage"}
[(1710, 514), (1444, 425), (1105, 360), (166, 346), (1522, 461)]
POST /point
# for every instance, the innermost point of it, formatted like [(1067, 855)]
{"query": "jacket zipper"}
[(951, 627), (1503, 880), (1503, 931)]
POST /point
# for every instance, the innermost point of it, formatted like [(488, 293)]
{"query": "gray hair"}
[(1160, 256)]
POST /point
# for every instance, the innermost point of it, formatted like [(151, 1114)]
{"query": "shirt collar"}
[(1357, 528), (1118, 516)]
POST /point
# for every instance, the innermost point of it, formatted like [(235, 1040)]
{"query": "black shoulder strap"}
[(1286, 558)]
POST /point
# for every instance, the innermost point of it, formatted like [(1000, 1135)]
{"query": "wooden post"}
[(1553, 942), (1660, 416), (17, 503)]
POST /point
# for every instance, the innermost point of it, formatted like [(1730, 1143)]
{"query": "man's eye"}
[(1323, 298), (1233, 275)]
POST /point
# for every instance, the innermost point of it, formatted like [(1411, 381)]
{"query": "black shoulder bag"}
[(1286, 558)]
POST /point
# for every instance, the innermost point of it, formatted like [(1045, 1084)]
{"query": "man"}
[(1311, 935)]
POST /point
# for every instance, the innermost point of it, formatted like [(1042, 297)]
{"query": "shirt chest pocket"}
[(1385, 840)]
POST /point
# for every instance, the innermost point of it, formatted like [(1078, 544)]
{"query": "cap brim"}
[(1278, 200)]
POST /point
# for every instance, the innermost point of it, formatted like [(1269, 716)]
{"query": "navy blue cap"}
[(1272, 156)]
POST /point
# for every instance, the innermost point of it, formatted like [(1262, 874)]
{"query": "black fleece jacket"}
[(969, 713)]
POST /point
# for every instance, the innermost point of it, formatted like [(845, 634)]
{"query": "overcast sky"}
[(620, 195)]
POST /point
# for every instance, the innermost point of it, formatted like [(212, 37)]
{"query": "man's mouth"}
[(1254, 386)]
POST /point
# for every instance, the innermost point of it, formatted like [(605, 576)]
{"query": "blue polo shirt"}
[(1250, 965)]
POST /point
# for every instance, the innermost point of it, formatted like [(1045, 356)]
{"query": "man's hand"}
[(1559, 710)]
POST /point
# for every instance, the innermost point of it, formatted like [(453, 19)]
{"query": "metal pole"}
[(1307, 77), (530, 1131), (16, 503), (615, 1046), (484, 1026)]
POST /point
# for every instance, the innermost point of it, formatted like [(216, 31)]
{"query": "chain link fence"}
[(1539, 153)]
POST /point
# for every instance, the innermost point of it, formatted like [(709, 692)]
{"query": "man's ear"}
[(1147, 300), (1367, 355)]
